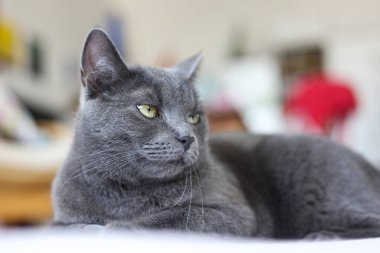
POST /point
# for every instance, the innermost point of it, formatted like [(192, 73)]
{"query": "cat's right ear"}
[(101, 63), (188, 68)]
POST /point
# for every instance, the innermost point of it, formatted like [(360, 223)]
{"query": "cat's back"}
[(287, 156), (297, 179), (246, 147)]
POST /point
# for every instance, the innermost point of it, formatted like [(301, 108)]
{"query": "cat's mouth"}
[(163, 155), (170, 155)]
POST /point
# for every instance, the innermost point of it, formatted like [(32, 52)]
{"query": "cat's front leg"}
[(195, 218)]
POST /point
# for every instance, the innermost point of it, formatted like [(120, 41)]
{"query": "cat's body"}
[(141, 159), (309, 186)]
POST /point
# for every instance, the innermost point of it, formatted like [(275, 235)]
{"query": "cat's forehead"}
[(156, 77), (163, 85)]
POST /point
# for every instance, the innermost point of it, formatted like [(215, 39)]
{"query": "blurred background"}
[(292, 66)]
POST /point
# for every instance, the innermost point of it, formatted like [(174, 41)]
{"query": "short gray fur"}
[(126, 171)]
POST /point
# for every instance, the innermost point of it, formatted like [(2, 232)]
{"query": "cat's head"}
[(150, 117)]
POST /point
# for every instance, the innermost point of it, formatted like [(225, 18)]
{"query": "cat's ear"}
[(188, 68), (101, 63)]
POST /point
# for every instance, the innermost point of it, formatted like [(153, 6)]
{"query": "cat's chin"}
[(168, 169)]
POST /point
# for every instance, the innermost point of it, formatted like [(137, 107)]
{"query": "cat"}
[(141, 158)]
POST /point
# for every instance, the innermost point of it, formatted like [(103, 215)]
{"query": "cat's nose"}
[(186, 141)]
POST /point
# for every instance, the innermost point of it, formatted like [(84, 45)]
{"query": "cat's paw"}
[(322, 236), (86, 227), (116, 226), (94, 227)]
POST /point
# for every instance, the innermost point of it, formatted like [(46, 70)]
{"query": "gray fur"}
[(125, 171)]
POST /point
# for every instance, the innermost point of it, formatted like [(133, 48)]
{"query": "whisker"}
[(102, 152), (112, 169), (95, 153), (72, 177), (81, 173), (191, 196), (183, 193), (200, 191)]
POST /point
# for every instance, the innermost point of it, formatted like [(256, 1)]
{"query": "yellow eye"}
[(193, 119), (148, 111)]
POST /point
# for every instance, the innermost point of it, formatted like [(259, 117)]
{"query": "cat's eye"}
[(193, 119), (149, 111)]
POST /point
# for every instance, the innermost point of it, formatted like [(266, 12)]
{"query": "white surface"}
[(57, 241)]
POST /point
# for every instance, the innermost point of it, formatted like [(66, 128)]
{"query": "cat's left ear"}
[(188, 68), (101, 63)]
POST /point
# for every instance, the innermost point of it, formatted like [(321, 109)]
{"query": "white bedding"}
[(78, 241)]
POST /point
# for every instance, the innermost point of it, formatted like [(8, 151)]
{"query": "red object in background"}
[(320, 103)]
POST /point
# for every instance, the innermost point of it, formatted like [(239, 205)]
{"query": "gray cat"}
[(141, 159)]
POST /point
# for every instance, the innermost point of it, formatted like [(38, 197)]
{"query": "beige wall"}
[(349, 31), (188, 26), (61, 26)]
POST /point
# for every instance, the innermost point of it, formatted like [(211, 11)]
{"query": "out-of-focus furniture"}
[(225, 121), (25, 204), (26, 173), (322, 104)]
